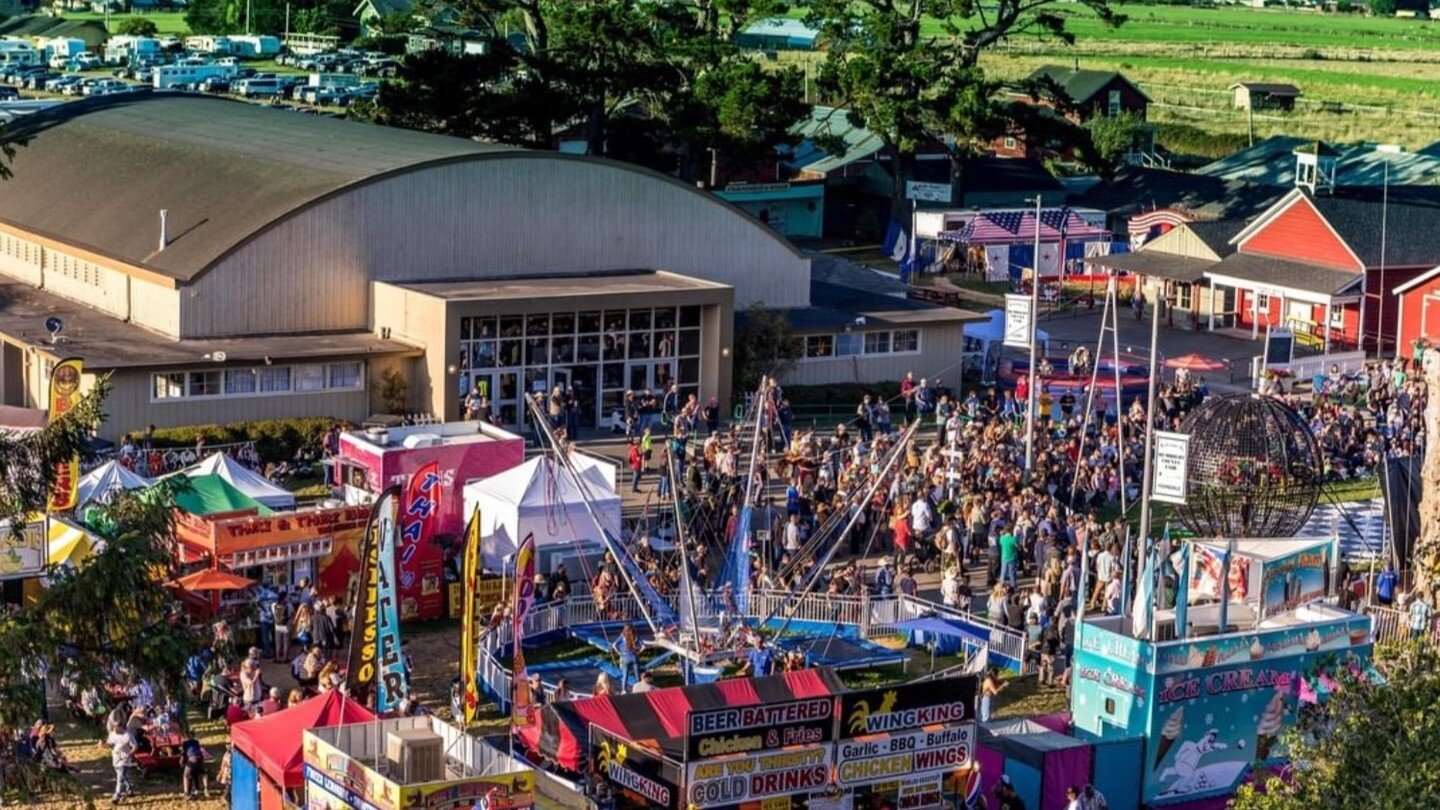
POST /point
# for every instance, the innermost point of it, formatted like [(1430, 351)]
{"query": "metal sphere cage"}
[(1254, 468)]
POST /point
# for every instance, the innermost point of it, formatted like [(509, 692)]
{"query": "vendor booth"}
[(539, 498), (100, 484), (792, 740), (280, 549), (1040, 762), (244, 479), (267, 767), (406, 763), (1208, 709), (446, 456)]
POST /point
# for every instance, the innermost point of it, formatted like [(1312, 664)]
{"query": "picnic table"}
[(164, 752)]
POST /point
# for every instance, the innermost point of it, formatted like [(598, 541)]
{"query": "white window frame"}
[(1262, 302), (836, 337), (180, 392), (1113, 102), (1009, 142), (1335, 315)]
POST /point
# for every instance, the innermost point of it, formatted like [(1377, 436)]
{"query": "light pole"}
[(1034, 376)]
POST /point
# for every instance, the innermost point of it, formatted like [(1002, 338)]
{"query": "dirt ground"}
[(435, 649)]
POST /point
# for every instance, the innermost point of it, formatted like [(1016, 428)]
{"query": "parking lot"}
[(326, 81)]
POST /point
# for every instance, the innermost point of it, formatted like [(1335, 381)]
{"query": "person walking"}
[(1009, 556), (122, 757), (637, 465)]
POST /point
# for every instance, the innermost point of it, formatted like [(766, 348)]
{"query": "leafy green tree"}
[(909, 70), (267, 16), (113, 611), (1382, 8), (765, 346), (661, 84), (1372, 745), (1111, 137), (136, 27)]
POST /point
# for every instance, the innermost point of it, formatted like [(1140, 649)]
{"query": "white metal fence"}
[(872, 616)]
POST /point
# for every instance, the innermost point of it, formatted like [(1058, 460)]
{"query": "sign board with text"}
[(1018, 314), (903, 732), (930, 192), (764, 727), (1172, 454), (755, 777)]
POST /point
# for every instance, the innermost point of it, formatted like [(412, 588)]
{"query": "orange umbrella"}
[(213, 579), (1195, 362)]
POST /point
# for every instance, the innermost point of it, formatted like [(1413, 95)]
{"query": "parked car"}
[(59, 83), (214, 84), (260, 88), (86, 61), (107, 87), (36, 81), (9, 94)]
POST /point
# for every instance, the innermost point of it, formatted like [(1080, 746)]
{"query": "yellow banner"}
[(64, 393), (470, 695)]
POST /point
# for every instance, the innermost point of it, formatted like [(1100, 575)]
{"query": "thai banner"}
[(64, 393), (390, 682), (524, 598), (470, 581), (420, 572), (364, 636)]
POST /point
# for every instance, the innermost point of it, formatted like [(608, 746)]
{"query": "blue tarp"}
[(244, 783)]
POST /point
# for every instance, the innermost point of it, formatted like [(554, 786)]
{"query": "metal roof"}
[(95, 173), (1156, 263), (1081, 85), (1282, 273), (106, 342)]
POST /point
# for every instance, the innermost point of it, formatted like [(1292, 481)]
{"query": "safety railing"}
[(873, 616)]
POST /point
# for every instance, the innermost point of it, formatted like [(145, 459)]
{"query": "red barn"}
[(1325, 261), (1419, 303)]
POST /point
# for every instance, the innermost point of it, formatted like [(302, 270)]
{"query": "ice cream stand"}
[(1211, 702)]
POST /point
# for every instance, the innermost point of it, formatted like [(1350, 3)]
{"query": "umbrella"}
[(1195, 362), (213, 579)]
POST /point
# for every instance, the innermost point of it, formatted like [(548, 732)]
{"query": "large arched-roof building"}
[(312, 253)]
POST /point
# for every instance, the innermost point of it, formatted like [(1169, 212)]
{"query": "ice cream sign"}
[(1219, 683)]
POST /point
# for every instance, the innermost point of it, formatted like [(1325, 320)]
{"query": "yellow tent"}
[(68, 543)]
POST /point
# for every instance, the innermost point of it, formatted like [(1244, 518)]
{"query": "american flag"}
[(1009, 227)]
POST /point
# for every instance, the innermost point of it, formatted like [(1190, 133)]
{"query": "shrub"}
[(275, 439)]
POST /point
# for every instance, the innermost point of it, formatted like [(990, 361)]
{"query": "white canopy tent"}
[(101, 484), (540, 498), (244, 479)]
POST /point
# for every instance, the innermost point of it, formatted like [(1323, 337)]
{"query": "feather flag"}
[(1140, 610), (64, 393), (1182, 592), (365, 635), (391, 684), (524, 598), (470, 582)]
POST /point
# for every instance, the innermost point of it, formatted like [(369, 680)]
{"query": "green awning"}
[(213, 495)]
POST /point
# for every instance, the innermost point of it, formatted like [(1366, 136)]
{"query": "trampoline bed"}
[(581, 673), (842, 653), (601, 635)]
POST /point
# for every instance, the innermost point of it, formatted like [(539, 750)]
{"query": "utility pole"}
[(1034, 377), (1380, 309)]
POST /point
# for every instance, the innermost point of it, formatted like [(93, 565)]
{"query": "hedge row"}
[(275, 439)]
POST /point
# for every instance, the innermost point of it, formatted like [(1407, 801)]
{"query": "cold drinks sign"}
[(747, 753)]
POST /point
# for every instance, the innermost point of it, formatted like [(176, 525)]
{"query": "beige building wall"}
[(939, 355), (434, 324), (496, 216), (424, 321), (130, 407), (1181, 241)]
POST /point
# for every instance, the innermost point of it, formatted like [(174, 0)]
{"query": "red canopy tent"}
[(656, 719), (273, 743)]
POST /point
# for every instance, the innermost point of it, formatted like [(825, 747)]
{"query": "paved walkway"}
[(1067, 331)]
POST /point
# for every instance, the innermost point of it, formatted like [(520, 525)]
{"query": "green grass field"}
[(167, 23)]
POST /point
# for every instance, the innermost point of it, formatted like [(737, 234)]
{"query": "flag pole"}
[(1034, 336)]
